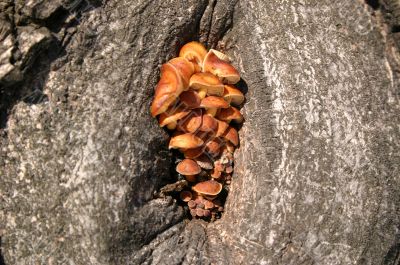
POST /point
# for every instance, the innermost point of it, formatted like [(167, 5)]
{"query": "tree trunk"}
[(317, 172)]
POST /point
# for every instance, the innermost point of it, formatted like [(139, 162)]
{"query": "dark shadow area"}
[(1, 255), (373, 3), (393, 255)]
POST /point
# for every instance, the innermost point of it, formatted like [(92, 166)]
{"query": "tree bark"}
[(317, 172)]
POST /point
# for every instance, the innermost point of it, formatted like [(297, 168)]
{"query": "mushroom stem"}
[(202, 93), (191, 178), (172, 125), (212, 111)]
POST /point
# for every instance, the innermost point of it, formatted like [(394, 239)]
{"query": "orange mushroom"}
[(170, 117), (195, 53), (185, 141), (189, 169), (230, 114), (207, 83), (184, 68), (224, 70), (208, 189), (167, 90), (232, 95), (232, 136), (212, 104), (192, 122)]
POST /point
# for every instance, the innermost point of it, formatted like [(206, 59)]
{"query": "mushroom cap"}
[(194, 152), (213, 102), (209, 187), (213, 147), (172, 115), (221, 55), (185, 195), (192, 122), (222, 126), (193, 51), (230, 114), (190, 99), (232, 136), (207, 81), (186, 141), (167, 90), (184, 68), (209, 124), (216, 174), (188, 167), (224, 70), (233, 95)]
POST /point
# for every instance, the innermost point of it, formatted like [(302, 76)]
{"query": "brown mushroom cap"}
[(172, 115), (222, 126), (207, 81), (185, 195), (167, 90), (232, 136), (192, 122), (232, 95), (185, 141), (213, 102), (230, 114), (215, 174), (188, 167), (213, 147), (184, 68), (193, 153), (190, 99), (208, 188), (224, 70), (209, 124), (193, 51)]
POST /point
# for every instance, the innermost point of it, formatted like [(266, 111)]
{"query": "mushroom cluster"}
[(196, 100)]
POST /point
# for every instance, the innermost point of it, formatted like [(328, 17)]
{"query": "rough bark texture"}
[(317, 174)]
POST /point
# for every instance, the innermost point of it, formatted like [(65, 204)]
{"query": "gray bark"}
[(317, 172)]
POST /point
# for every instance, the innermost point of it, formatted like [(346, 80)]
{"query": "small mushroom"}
[(232, 136), (191, 204), (208, 189), (209, 124), (207, 83), (190, 99), (208, 204), (184, 68), (213, 147), (215, 174), (232, 95), (189, 169), (192, 122), (185, 141), (199, 212), (194, 52), (212, 104), (222, 126), (230, 114), (167, 90), (224, 70), (185, 195), (171, 116)]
